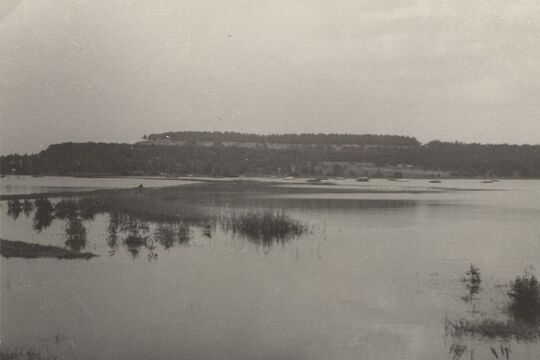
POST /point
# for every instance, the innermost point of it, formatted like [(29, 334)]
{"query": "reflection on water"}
[(112, 232), (43, 215), (248, 275), (136, 235), (139, 222), (15, 207), (75, 233), (170, 234)]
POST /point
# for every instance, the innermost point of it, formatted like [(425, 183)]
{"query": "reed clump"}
[(25, 354), (525, 299), (493, 329), (263, 226)]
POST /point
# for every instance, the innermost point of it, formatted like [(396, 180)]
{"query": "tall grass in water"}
[(25, 354), (492, 329), (169, 234), (472, 282), (263, 227), (525, 299), (523, 310)]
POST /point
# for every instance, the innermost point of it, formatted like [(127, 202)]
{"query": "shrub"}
[(525, 299)]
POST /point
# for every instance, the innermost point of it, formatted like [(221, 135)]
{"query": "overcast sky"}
[(92, 70)]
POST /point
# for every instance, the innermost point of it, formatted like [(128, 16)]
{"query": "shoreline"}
[(251, 185), (199, 177)]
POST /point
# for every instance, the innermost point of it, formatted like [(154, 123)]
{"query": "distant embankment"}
[(233, 154)]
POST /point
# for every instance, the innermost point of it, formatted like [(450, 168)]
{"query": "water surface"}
[(377, 275)]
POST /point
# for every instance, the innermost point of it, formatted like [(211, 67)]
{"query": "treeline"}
[(458, 159), (296, 139)]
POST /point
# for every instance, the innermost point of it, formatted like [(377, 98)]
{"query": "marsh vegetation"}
[(514, 320), (25, 354), (263, 227), (472, 281), (144, 219), (524, 296)]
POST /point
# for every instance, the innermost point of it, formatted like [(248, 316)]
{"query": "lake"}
[(352, 270)]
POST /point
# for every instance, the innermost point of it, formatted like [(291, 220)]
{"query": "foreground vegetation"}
[(24, 354), (516, 319)]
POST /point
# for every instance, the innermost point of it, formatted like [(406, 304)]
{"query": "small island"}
[(20, 249)]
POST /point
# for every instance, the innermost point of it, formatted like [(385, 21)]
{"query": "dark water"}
[(374, 276)]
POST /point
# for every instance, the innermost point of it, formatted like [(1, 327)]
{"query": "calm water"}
[(377, 276)]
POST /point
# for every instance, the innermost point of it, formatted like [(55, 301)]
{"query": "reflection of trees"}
[(44, 214), (75, 233), (165, 235), (87, 208), (130, 221), (137, 233), (65, 209), (112, 232), (144, 221), (27, 207), (207, 230), (14, 208), (168, 234)]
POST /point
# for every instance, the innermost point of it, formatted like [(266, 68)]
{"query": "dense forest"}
[(303, 139), (454, 159)]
